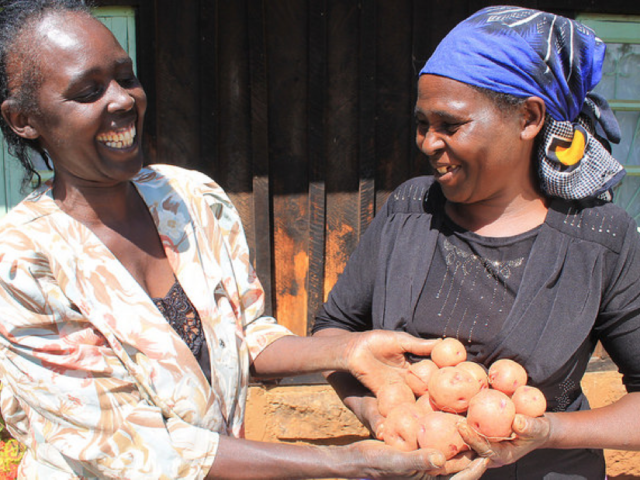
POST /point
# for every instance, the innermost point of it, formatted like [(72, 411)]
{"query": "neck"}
[(500, 219), (98, 205)]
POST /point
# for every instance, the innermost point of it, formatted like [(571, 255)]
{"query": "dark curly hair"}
[(16, 19), (505, 102)]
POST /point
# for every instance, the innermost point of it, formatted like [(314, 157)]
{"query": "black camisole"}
[(178, 310)]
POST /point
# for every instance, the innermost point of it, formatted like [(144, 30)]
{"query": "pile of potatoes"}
[(423, 411)]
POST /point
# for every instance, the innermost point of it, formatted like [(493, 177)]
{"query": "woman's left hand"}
[(530, 434), (385, 463), (378, 357)]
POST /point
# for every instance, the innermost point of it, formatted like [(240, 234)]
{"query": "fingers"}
[(476, 442), (415, 345), (474, 471), (391, 463), (531, 428), (376, 424), (457, 463), (429, 459)]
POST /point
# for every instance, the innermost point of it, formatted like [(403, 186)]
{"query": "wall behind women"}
[(302, 110)]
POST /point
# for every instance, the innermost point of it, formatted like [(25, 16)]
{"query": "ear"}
[(18, 120), (534, 111)]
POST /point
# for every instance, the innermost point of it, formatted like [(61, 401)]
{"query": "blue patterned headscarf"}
[(526, 53)]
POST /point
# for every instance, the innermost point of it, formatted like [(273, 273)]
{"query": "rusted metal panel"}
[(177, 85), (288, 61), (232, 143), (342, 134), (259, 135), (367, 116), (317, 81)]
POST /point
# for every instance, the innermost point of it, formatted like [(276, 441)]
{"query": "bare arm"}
[(374, 358), (615, 426), (239, 459)]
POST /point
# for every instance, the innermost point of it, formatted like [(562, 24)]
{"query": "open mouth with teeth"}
[(118, 138), (445, 169)]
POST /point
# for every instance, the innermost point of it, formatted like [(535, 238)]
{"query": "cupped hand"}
[(384, 462), (472, 470), (464, 466), (378, 357), (530, 434)]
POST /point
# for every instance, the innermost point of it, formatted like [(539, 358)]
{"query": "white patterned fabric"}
[(96, 382)]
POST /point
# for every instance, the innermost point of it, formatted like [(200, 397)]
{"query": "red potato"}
[(491, 413), (529, 401), (393, 394), (400, 428), (425, 405), (451, 388), (448, 353), (507, 375), (478, 371), (439, 430), (418, 376)]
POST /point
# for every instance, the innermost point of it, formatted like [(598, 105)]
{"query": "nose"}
[(120, 99), (429, 142)]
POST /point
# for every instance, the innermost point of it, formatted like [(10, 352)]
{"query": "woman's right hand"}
[(530, 434), (384, 462)]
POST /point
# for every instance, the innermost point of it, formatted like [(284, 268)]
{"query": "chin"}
[(126, 171), (453, 195)]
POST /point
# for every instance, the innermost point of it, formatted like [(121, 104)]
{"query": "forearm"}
[(238, 459), (616, 426), (375, 357), (293, 355)]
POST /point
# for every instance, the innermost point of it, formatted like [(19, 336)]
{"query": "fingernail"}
[(519, 423), (463, 427), (437, 459)]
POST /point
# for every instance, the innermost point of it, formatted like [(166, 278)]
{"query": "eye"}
[(449, 128), (128, 81), (89, 94), (422, 124)]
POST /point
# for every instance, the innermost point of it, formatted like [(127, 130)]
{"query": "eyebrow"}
[(443, 115), (123, 61)]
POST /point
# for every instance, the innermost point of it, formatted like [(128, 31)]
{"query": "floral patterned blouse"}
[(96, 382)]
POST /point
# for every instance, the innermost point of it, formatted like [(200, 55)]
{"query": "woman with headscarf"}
[(512, 246), (130, 316)]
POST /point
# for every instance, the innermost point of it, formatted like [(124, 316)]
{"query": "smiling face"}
[(89, 105), (478, 151)]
